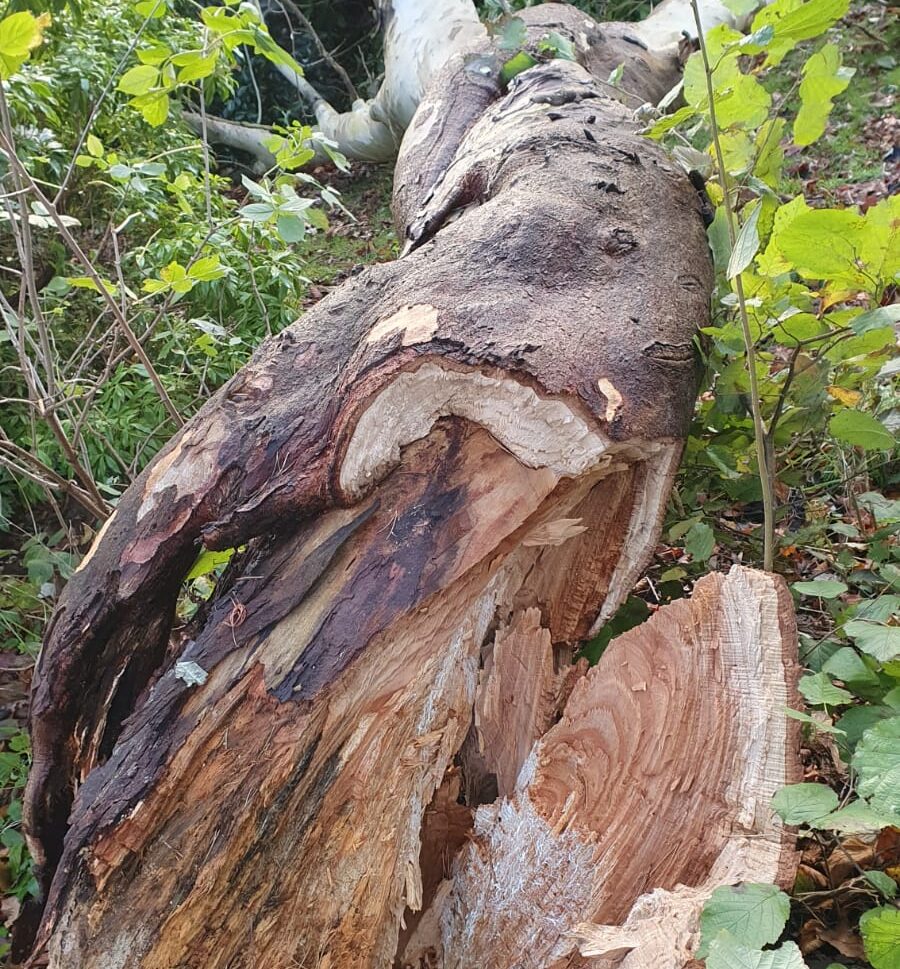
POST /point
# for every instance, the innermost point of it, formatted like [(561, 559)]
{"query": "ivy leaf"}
[(860, 429), (823, 80), (746, 245), (726, 953), (804, 803), (879, 641), (818, 690), (880, 929), (820, 588), (753, 914)]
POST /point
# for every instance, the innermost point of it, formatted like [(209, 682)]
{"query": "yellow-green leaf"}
[(154, 107), (139, 80), (823, 79), (20, 33), (746, 245)]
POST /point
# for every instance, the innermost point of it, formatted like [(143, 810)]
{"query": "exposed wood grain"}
[(653, 789), (442, 477)]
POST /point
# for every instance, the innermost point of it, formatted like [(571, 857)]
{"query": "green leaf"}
[(880, 929), (754, 915), (726, 953), (849, 667), (741, 8), (291, 228), (199, 68), (882, 882), (86, 282), (514, 34), (856, 818), (818, 690), (94, 146), (794, 22), (815, 724), (700, 542), (154, 107), (823, 243), (515, 65), (881, 642), (740, 100), (139, 80), (206, 269), (557, 46), (820, 588), (804, 803), (823, 79), (877, 764), (257, 211), (876, 319), (20, 34), (746, 245), (860, 429), (856, 721), (208, 561), (885, 511)]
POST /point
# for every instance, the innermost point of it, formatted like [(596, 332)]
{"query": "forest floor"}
[(856, 163)]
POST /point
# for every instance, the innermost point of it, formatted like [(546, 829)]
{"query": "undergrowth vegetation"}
[(137, 274)]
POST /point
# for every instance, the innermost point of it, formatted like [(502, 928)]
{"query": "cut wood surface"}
[(653, 789), (440, 481)]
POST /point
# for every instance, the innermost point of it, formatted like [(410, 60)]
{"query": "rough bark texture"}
[(452, 458)]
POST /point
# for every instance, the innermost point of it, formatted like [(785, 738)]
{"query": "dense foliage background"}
[(138, 271)]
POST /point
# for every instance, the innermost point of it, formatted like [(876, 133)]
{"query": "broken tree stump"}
[(453, 458)]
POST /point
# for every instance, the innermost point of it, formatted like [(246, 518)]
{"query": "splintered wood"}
[(652, 789), (439, 480)]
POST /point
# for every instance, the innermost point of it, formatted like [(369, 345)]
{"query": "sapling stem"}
[(766, 467)]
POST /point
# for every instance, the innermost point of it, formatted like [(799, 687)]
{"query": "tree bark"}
[(453, 461)]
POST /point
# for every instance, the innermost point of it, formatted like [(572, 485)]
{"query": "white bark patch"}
[(98, 538), (185, 467), (540, 432), (673, 19), (613, 399), (418, 324)]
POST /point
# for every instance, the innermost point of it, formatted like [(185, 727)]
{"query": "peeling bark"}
[(453, 466)]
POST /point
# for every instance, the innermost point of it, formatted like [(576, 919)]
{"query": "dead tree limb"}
[(467, 449)]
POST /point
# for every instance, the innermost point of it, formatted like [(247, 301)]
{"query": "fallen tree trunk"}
[(452, 460)]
